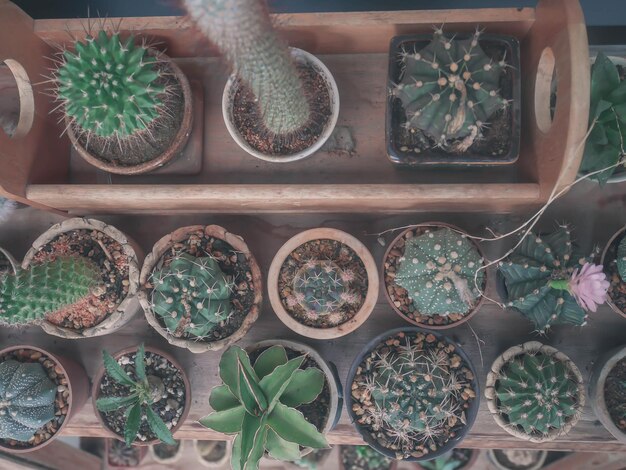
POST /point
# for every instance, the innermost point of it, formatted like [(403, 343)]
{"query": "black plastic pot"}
[(471, 414), (437, 157)]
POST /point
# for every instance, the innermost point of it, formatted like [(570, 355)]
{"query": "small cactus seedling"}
[(439, 270), (191, 296), (30, 294), (450, 89), (621, 258), (26, 399)]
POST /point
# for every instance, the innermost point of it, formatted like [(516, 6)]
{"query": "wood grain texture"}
[(56, 455)]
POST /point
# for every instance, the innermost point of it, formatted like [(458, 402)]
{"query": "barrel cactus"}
[(450, 89), (191, 296), (440, 271), (621, 259), (26, 399), (30, 294)]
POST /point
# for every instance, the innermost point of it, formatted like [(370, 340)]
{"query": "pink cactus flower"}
[(589, 286)]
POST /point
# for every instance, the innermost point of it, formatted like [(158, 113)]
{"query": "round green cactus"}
[(26, 399), (191, 295), (109, 87), (438, 271), (621, 259), (450, 89)]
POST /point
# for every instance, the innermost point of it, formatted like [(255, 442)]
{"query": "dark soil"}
[(233, 264), (155, 140), (400, 297), (5, 265), (517, 459), (363, 458), (109, 256), (617, 289), (615, 394), (212, 451), (61, 404), (169, 408), (166, 451), (121, 456), (248, 119)]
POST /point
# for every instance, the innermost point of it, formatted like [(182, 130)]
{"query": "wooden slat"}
[(57, 455)]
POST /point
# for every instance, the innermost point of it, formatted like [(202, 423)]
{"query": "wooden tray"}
[(36, 168)]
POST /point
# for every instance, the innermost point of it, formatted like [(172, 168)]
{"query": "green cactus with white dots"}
[(621, 259), (450, 89), (535, 276), (191, 296), (26, 399), (440, 271)]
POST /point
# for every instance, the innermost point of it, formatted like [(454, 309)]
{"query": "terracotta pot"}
[(170, 460), (601, 369), (605, 262), (127, 307), (323, 234), (14, 264), (95, 393), (543, 454), (108, 442), (392, 466), (218, 463), (474, 453), (391, 246), (154, 261), (77, 384), (175, 148), (492, 398)]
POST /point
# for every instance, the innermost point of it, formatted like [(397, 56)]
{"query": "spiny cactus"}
[(108, 87), (438, 271), (191, 295), (621, 259), (243, 32), (30, 294), (450, 89), (26, 399)]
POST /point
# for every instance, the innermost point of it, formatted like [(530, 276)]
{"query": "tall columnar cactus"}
[(243, 32), (440, 270), (110, 88), (191, 295), (621, 259), (31, 294), (450, 89), (26, 399)]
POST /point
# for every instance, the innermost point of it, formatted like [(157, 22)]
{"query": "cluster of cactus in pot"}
[(440, 270), (258, 403), (191, 295), (621, 259), (28, 295), (550, 282), (449, 90)]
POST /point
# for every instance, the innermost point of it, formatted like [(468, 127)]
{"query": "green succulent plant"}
[(30, 294), (258, 404), (450, 89), (605, 144), (621, 259), (445, 462), (438, 270), (143, 392), (191, 296), (373, 459), (26, 399)]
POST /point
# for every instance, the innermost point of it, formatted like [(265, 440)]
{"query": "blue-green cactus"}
[(621, 259), (438, 271), (26, 399)]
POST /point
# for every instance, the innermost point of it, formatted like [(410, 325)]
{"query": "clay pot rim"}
[(609, 301), (175, 458), (132, 252), (538, 465), (177, 143), (99, 375), (107, 442), (154, 258), (218, 464), (466, 317), (373, 282), (492, 398), (70, 398), (474, 453)]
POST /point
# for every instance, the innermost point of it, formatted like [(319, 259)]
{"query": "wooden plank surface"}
[(595, 213)]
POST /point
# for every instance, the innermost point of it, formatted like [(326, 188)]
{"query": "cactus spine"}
[(621, 258)]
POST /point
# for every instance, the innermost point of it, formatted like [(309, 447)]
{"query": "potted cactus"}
[(323, 283), (550, 282), (535, 392), (364, 458), (201, 288), (517, 459), (119, 455), (614, 262), (431, 273), (414, 394), (164, 453), (280, 104), (258, 403), (39, 394), (126, 106), (213, 454), (454, 99), (141, 396), (456, 459)]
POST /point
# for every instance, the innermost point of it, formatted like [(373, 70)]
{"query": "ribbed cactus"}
[(109, 87), (243, 32), (30, 294), (450, 89), (621, 259), (191, 295), (26, 399), (438, 271)]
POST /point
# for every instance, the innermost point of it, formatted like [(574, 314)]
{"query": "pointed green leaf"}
[(269, 359), (227, 421), (222, 398), (115, 371), (281, 449), (107, 404), (133, 421), (251, 394), (235, 456), (140, 363), (275, 383), (604, 79), (229, 371), (159, 428), (304, 387), (292, 426), (252, 435)]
